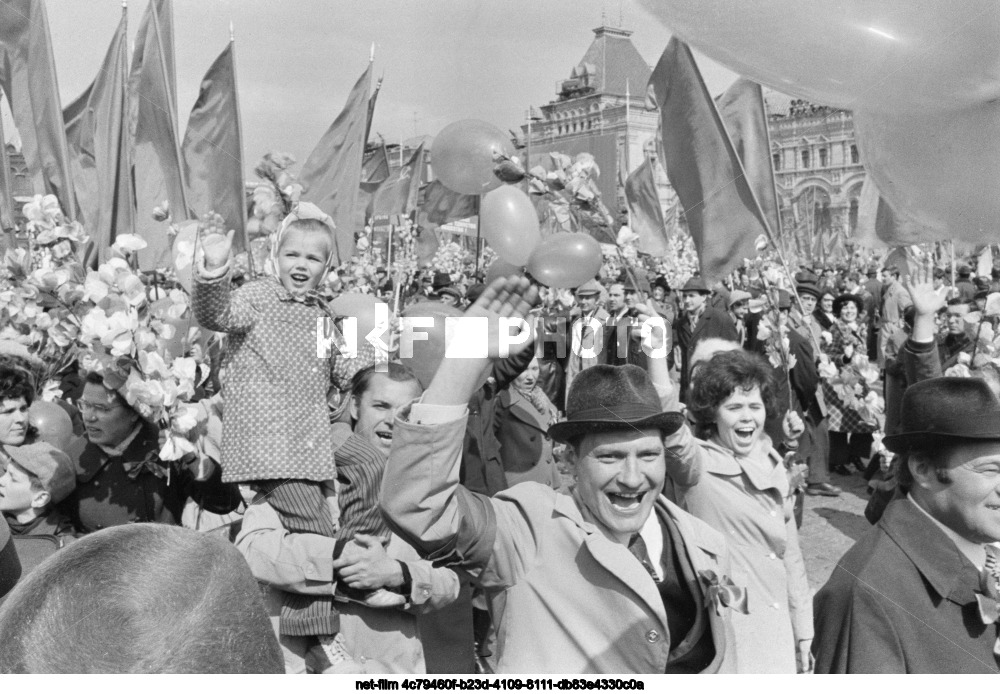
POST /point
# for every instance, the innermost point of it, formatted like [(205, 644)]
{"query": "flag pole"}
[(239, 127), (479, 232), (6, 197)]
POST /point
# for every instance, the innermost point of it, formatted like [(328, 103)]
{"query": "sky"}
[(442, 60)]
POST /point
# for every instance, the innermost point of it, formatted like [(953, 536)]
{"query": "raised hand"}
[(920, 285), (511, 298), (216, 244)]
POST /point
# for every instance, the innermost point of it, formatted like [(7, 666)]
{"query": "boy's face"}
[(16, 494), (302, 259)]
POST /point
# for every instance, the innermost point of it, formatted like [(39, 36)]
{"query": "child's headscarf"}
[(305, 210)]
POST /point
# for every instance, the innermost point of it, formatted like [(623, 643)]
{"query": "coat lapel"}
[(616, 559), (525, 411), (936, 557)]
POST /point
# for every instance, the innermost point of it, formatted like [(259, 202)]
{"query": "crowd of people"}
[(620, 493)]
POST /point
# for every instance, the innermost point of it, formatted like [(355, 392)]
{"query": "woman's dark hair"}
[(94, 377), (840, 301), (16, 382), (721, 376)]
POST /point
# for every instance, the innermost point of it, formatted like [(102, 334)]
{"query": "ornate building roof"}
[(610, 64)]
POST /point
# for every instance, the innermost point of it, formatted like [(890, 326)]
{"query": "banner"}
[(645, 213)]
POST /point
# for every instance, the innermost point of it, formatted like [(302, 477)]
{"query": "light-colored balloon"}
[(424, 356), (462, 156), (501, 268), (885, 55), (566, 260), (53, 424), (510, 224), (940, 170), (364, 307)]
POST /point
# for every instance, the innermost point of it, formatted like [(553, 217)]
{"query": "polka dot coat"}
[(276, 423)]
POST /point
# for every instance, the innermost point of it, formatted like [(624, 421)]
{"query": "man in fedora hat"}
[(613, 578), (698, 322), (587, 331), (920, 591)]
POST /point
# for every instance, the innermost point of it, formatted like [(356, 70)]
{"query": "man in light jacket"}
[(614, 578)]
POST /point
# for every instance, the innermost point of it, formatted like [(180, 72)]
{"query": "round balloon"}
[(566, 260), (501, 268), (53, 424), (183, 253), (937, 170), (886, 55), (369, 311), (463, 156), (510, 224), (423, 356)]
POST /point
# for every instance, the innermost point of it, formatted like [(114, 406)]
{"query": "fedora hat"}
[(939, 409), (589, 288), (609, 398), (696, 284)]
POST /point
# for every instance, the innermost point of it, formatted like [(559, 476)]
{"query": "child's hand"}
[(216, 244)]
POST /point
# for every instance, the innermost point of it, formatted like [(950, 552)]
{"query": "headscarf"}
[(305, 210)]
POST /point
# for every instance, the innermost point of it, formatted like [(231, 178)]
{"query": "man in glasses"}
[(119, 476)]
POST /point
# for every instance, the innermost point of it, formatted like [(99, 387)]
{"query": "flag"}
[(28, 77), (331, 175), (159, 170), (723, 216), (371, 109), (443, 205), (97, 137), (880, 226), (164, 10), (213, 147), (742, 111), (645, 213), (374, 170), (399, 193)]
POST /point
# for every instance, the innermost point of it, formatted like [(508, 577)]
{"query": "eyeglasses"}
[(95, 407)]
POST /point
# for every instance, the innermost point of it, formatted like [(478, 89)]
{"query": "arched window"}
[(822, 157), (776, 158), (855, 158), (805, 159), (853, 216)]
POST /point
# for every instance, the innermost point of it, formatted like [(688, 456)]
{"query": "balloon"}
[(501, 268), (364, 307), (462, 156), (885, 55), (183, 253), (510, 224), (424, 357), (938, 170), (566, 260), (53, 424)]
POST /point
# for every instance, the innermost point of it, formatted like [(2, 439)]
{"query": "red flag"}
[(443, 205), (28, 76), (213, 147), (159, 170), (742, 111), (645, 212), (398, 194), (880, 226), (331, 175), (374, 170), (97, 136), (371, 109), (722, 213)]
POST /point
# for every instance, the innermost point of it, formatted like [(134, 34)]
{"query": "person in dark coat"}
[(920, 591), (120, 478), (698, 322)]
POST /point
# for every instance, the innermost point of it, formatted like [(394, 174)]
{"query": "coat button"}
[(652, 636), (775, 605), (772, 555)]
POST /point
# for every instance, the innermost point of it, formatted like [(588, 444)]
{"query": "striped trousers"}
[(303, 508)]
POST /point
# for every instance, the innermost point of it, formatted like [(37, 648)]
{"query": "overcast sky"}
[(443, 60)]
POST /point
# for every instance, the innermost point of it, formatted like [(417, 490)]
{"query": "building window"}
[(776, 157), (822, 157), (855, 158), (852, 217), (805, 159)]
